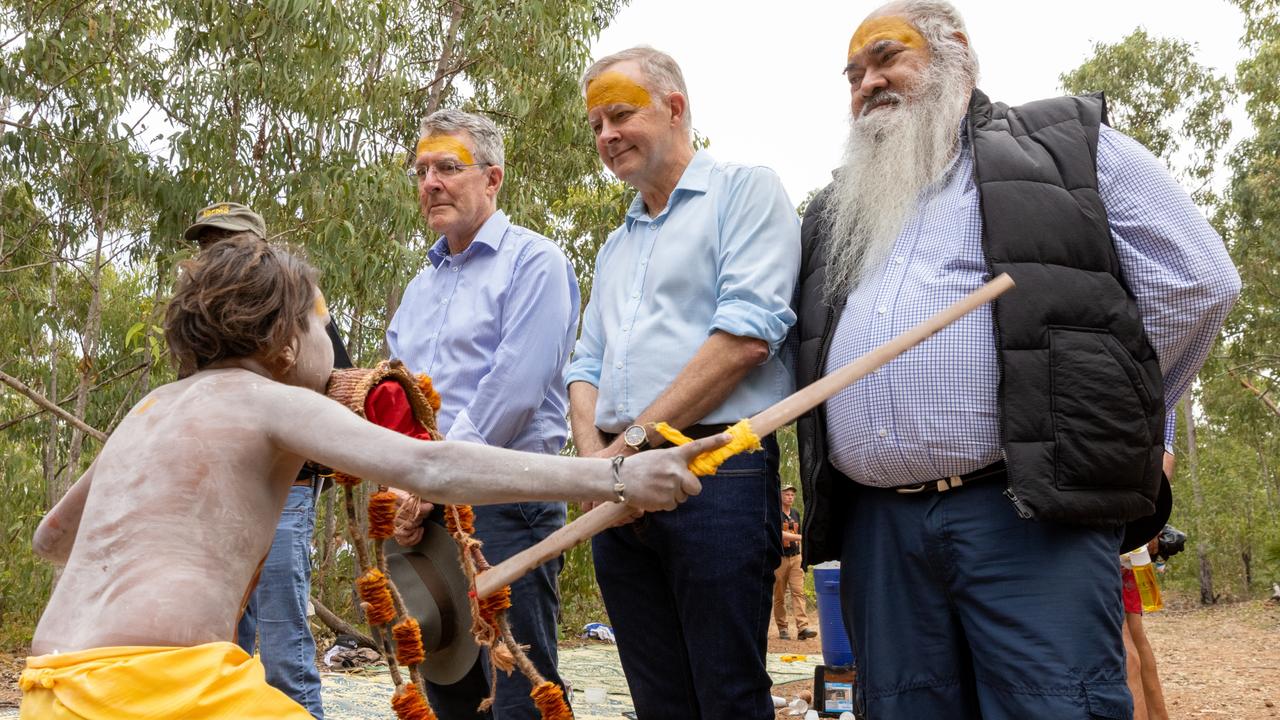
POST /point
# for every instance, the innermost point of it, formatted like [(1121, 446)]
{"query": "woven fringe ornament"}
[(382, 515), (460, 517), (408, 637), (409, 704), (346, 480), (743, 439), (375, 591), (550, 701), (494, 604)]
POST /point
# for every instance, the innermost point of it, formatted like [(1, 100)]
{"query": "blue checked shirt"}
[(932, 412), (723, 255), (493, 327)]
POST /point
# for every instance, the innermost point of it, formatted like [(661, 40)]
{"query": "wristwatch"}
[(636, 438)]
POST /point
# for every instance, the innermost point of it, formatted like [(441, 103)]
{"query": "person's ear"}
[(283, 362), (679, 105), (493, 183), (961, 38)]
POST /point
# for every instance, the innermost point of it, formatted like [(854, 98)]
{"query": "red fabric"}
[(388, 406), (1132, 600)]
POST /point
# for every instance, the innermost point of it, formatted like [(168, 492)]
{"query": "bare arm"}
[(57, 531), (310, 425), (587, 439), (703, 384), (791, 537)]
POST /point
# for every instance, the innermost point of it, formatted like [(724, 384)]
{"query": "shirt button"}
[(884, 433), (619, 366), (635, 294), (626, 328), (621, 407), (455, 269), (898, 260), (642, 263), (881, 309)]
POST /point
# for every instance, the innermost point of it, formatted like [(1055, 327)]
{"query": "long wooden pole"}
[(763, 423)]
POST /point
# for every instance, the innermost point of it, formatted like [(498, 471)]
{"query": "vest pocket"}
[(1100, 407)]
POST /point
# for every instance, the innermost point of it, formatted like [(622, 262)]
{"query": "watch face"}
[(634, 436)]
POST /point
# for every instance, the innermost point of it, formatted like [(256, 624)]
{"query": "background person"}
[(789, 577), (492, 322)]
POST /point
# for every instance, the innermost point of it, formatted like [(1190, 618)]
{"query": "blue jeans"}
[(535, 612), (958, 608), (277, 609), (689, 593)]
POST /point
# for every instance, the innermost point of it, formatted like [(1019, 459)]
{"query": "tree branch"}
[(44, 402), (338, 625), (1261, 394)]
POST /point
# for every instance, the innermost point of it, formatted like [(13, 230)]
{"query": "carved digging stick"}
[(763, 423)]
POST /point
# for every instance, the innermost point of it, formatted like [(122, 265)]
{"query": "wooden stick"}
[(763, 423)]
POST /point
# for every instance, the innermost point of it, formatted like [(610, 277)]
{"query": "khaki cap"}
[(228, 216)]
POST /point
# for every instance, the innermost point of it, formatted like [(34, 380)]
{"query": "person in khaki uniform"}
[(788, 579)]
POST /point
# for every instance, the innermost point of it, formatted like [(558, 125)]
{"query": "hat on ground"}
[(227, 216)]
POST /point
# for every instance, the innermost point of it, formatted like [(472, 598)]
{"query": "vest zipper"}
[(1024, 511)]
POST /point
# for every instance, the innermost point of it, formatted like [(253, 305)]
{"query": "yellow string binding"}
[(744, 440)]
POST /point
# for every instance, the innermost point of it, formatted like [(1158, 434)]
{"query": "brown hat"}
[(227, 216)]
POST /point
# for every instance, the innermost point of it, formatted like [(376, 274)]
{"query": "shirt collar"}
[(696, 178), (490, 235)]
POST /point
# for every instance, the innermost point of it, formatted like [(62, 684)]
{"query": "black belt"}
[(995, 469)]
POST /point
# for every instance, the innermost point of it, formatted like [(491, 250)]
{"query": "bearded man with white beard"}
[(978, 489)]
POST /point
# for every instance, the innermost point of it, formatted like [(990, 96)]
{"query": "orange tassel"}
[(433, 397), (382, 515), (550, 701), (410, 705), (408, 638), (467, 516), (494, 604), (344, 479), (374, 591)]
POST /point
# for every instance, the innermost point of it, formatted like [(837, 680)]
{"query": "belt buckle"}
[(912, 489)]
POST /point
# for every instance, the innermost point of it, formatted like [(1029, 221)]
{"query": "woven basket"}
[(351, 387)]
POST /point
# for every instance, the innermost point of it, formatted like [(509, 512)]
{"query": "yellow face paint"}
[(321, 309), (144, 406), (446, 144), (614, 88), (892, 27)]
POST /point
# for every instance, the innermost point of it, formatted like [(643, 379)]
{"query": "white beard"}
[(891, 155)]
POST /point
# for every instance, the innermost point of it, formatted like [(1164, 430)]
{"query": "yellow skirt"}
[(217, 680)]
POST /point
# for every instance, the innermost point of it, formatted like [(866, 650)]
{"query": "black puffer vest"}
[(1080, 396)]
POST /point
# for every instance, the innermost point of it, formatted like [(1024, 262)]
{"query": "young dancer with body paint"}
[(162, 536)]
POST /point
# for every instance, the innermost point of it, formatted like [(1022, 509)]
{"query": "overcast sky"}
[(765, 83)]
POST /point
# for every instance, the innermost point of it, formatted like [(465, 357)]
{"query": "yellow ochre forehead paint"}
[(892, 27), (614, 88), (321, 309), (445, 144)]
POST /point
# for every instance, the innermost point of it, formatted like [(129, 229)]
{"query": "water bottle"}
[(1145, 574)]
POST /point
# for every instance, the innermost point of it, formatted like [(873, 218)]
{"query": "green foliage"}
[(119, 123)]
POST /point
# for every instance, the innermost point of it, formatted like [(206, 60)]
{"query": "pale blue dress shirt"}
[(493, 326), (932, 412), (722, 255)]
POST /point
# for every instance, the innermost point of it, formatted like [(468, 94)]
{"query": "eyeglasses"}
[(442, 169)]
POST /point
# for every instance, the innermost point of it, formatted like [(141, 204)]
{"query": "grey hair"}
[(486, 136), (659, 68), (938, 21)]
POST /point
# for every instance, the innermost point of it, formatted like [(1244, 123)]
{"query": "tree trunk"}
[(1193, 472)]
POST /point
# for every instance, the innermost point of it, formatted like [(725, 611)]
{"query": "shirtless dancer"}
[(162, 535)]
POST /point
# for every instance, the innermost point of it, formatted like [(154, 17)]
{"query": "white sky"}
[(764, 77)]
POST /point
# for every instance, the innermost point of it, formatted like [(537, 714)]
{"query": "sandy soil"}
[(1217, 662)]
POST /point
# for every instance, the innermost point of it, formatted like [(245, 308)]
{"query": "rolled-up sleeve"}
[(759, 259), (1175, 263), (588, 353)]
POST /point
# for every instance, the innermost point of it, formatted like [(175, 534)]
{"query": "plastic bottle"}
[(1145, 574)]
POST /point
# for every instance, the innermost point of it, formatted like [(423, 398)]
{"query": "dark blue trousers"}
[(534, 615), (958, 608), (689, 593)]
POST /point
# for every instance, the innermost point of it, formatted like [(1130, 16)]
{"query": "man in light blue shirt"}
[(492, 321), (688, 311)]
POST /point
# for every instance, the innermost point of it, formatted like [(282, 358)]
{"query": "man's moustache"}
[(885, 97)]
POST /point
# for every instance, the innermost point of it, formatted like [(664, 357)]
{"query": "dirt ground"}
[(1218, 662)]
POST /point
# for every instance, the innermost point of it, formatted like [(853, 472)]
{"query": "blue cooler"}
[(835, 641)]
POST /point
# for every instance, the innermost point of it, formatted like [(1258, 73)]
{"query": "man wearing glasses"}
[(492, 321)]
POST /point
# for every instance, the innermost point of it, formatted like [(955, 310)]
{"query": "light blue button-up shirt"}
[(722, 255), (493, 326), (932, 412)]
